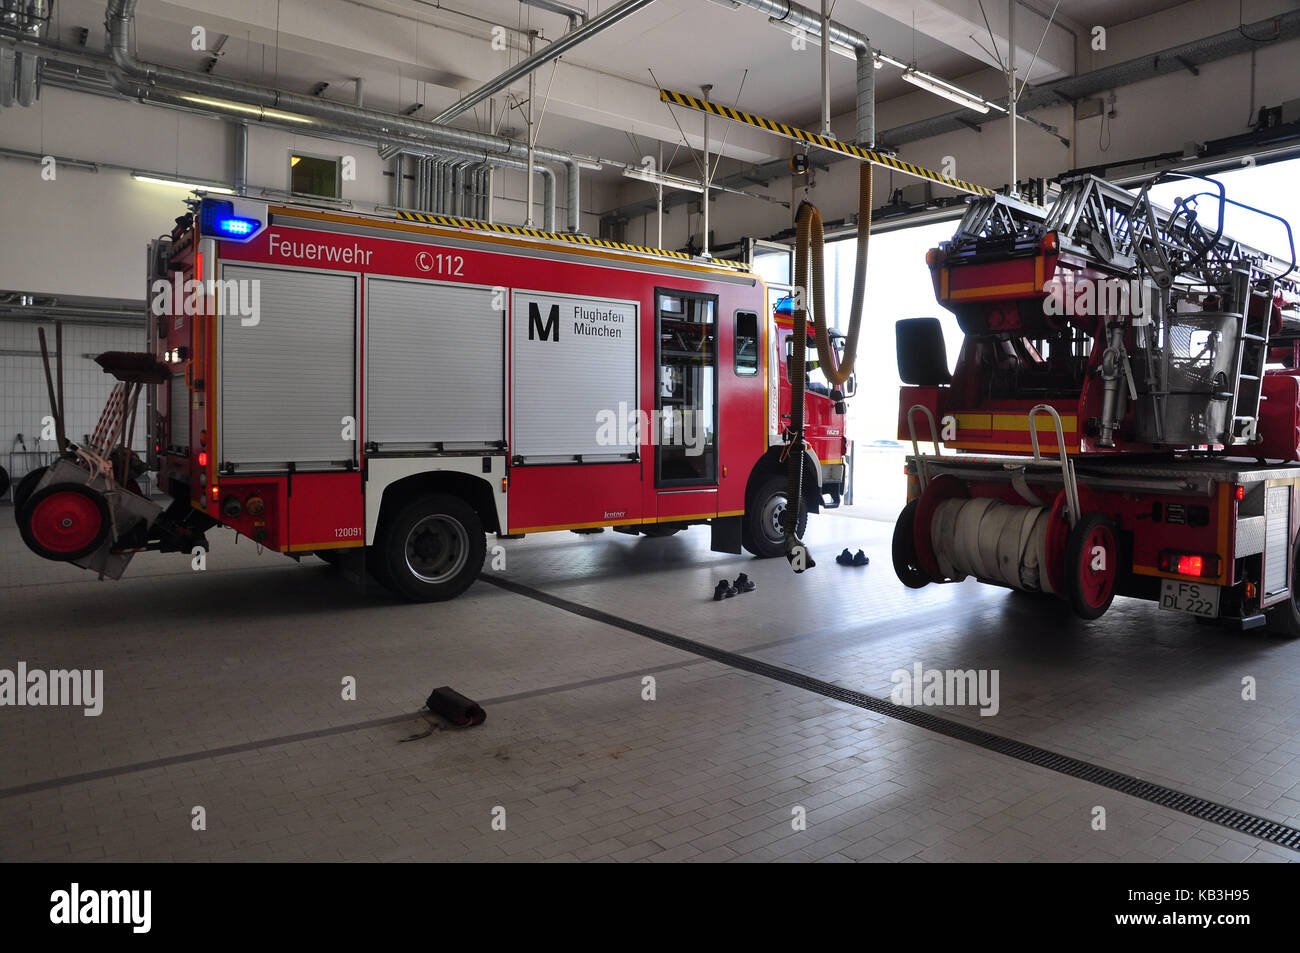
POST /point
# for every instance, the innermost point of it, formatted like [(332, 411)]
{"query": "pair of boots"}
[(725, 589), (857, 559)]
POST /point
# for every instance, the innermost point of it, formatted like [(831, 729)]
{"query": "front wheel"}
[(432, 549), (762, 533)]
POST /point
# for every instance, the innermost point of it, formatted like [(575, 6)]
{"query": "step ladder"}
[(1253, 355)]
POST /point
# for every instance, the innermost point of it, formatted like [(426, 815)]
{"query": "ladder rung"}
[(1248, 377), (1254, 337)]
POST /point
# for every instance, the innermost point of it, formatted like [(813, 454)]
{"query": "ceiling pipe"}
[(150, 82), (241, 158), (576, 16), (20, 68), (440, 154), (8, 76), (796, 16), (555, 50)]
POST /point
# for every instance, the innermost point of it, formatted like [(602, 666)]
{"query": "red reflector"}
[(1240, 493), (1189, 565), (203, 459)]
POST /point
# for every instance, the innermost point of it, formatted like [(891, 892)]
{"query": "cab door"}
[(685, 425)]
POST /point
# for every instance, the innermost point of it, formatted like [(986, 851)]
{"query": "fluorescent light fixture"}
[(664, 179), (932, 84), (259, 111), (181, 184)]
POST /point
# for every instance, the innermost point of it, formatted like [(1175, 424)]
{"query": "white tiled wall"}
[(23, 397)]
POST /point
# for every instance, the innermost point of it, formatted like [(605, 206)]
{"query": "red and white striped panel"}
[(109, 429)]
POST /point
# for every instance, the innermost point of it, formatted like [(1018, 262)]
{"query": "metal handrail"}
[(921, 474), (1067, 465)]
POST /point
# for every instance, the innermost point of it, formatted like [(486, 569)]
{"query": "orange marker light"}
[(216, 492), (1240, 493)]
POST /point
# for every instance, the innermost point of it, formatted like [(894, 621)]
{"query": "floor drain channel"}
[(1198, 807)]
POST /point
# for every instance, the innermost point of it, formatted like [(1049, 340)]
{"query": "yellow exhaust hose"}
[(809, 248)]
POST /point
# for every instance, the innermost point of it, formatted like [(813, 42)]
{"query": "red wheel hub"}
[(66, 522), (1096, 569)]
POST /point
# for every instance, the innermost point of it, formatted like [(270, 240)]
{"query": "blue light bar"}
[(217, 219)]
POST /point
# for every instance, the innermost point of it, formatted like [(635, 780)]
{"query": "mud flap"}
[(725, 534)]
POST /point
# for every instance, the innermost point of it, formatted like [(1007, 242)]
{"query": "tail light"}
[(1239, 493), (1189, 564), (203, 459)]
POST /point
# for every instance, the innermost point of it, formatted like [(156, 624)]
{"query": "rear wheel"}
[(25, 486), (761, 532), (1091, 566), (64, 521), (1283, 619), (906, 566), (432, 549), (331, 556)]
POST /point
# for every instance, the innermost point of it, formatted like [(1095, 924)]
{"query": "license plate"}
[(1196, 598)]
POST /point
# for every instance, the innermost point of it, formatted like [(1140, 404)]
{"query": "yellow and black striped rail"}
[(572, 239), (821, 142)]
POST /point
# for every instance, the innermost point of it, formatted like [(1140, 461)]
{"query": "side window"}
[(746, 343)]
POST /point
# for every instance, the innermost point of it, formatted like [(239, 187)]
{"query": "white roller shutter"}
[(178, 411), (435, 365), (288, 381), (574, 364)]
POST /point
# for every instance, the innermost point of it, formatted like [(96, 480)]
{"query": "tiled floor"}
[(223, 690)]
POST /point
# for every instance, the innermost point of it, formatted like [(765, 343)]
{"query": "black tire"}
[(432, 549), (1087, 591), (25, 487), (1283, 619), (64, 521), (4, 481), (906, 566), (331, 556), (375, 566), (760, 533)]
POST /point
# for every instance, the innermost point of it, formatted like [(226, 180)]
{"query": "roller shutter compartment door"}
[(574, 363), (178, 411), (434, 365), (288, 381)]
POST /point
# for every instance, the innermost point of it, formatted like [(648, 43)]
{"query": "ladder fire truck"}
[(399, 386), (1125, 408)]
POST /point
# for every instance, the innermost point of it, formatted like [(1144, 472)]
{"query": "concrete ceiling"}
[(434, 51)]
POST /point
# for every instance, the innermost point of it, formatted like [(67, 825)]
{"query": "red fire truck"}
[(323, 382), (1125, 409)]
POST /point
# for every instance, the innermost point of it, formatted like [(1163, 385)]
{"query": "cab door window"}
[(686, 398)]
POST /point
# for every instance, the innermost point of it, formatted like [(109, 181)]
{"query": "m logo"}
[(550, 330)]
